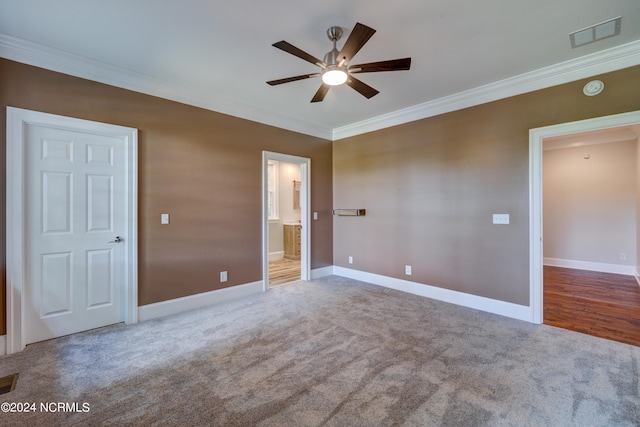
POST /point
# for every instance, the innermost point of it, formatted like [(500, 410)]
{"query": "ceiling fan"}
[(336, 68)]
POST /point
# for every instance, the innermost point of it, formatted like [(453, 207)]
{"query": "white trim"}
[(17, 119), (3, 345), (274, 180), (536, 138), (627, 270), (318, 273), (42, 56), (193, 302), (305, 207), (276, 256), (612, 59), (489, 305), (605, 61)]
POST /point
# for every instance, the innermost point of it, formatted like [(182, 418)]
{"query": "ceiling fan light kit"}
[(334, 76), (335, 66)]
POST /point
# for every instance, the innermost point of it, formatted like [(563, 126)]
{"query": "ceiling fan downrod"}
[(331, 58)]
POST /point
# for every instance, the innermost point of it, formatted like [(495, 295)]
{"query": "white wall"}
[(288, 173), (589, 207), (276, 239)]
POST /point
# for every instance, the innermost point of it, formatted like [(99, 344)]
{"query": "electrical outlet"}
[(164, 219), (407, 270), (223, 276), (315, 216), (350, 260)]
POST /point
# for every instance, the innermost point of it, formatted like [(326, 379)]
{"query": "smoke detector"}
[(593, 88)]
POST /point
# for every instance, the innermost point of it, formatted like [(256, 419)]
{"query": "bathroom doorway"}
[(286, 207)]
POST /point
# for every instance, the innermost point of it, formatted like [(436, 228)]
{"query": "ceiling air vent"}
[(596, 32)]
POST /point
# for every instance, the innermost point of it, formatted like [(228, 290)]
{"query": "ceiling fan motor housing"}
[(331, 58)]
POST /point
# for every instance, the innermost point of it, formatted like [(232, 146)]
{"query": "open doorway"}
[(589, 200), (286, 237), (285, 221), (537, 140), (589, 233)]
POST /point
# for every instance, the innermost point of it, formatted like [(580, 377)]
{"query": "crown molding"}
[(613, 59), (30, 53), (63, 62)]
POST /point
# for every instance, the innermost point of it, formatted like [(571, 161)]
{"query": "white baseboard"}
[(317, 273), (178, 305), (276, 256), (627, 270), (489, 305), (191, 302)]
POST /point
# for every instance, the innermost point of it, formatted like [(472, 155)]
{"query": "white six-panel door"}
[(72, 229), (75, 198)]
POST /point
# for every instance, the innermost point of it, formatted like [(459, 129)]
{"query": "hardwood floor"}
[(600, 304), (283, 271)]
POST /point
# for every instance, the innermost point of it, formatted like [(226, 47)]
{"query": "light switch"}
[(315, 216), (164, 218), (501, 218)]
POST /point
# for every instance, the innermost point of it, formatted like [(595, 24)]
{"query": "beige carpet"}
[(331, 352)]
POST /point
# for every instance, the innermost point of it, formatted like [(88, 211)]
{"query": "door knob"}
[(118, 240)]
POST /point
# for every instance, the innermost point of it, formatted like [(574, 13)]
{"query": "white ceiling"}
[(602, 136), (218, 55)]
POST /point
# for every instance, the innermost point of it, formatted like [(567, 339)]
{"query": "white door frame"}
[(305, 207), (536, 137), (17, 119)]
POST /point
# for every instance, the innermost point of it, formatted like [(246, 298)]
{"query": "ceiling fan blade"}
[(374, 67), (321, 93), (292, 79), (364, 89), (289, 48), (358, 37)]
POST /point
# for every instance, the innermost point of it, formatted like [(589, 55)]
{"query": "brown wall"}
[(202, 167), (430, 188)]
